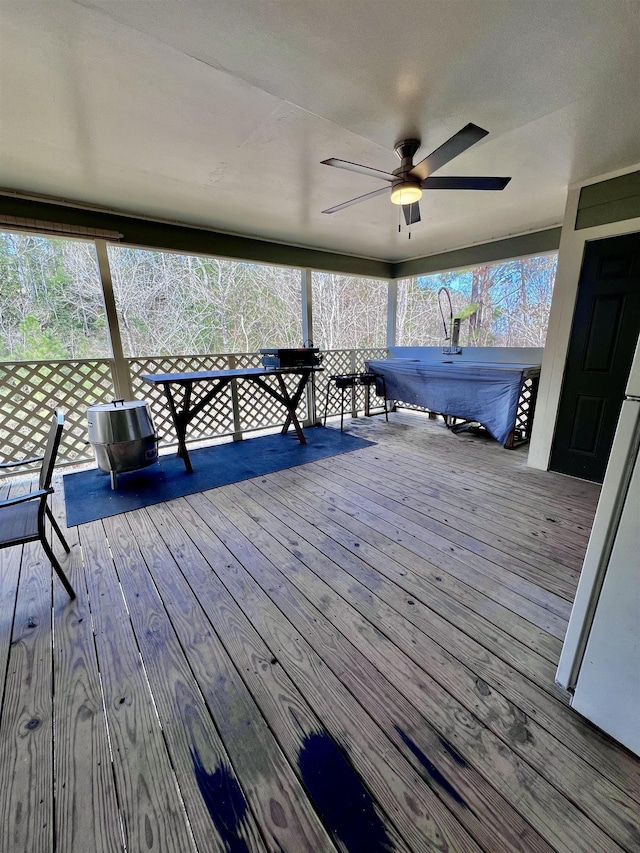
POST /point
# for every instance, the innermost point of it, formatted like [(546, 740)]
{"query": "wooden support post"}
[(122, 376), (354, 387), (235, 403), (392, 323), (306, 279), (392, 312)]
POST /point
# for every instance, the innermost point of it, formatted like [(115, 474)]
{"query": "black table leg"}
[(180, 421), (291, 404)]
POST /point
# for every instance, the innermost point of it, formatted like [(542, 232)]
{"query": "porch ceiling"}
[(218, 114)]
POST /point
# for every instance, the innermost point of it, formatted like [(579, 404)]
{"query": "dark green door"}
[(605, 329)]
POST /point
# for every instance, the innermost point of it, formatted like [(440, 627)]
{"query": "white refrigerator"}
[(600, 660)]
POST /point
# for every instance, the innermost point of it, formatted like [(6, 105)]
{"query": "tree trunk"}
[(480, 284)]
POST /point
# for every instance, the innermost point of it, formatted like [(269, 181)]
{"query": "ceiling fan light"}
[(406, 193)]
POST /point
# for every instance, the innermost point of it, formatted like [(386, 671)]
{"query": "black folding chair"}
[(22, 519)]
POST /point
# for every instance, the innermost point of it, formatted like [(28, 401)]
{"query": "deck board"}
[(408, 528), (86, 805), (244, 742), (482, 500), (26, 723), (354, 655), (464, 790), (446, 693), (454, 497), (532, 698), (259, 659), (152, 812), (198, 757), (373, 568), (490, 540), (399, 791), (428, 563)]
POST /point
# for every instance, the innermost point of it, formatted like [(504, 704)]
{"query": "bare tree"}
[(505, 304), (348, 312)]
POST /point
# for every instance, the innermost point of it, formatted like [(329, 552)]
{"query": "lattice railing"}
[(526, 408), (30, 390), (257, 410)]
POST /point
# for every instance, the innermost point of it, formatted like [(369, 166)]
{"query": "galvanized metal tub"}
[(122, 436)]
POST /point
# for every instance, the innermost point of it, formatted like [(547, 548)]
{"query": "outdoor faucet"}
[(455, 335), (454, 327)]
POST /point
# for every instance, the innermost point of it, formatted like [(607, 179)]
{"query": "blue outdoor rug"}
[(88, 494)]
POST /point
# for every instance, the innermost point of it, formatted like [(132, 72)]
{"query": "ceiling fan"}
[(408, 181)]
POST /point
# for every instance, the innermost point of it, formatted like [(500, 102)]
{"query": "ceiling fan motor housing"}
[(406, 148), (406, 189)]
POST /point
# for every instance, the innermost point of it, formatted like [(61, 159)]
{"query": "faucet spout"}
[(445, 290)]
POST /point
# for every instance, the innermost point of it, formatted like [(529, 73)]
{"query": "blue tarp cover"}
[(484, 392)]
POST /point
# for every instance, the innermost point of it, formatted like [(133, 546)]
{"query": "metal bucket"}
[(122, 436)]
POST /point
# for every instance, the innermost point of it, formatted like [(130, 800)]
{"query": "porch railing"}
[(29, 390)]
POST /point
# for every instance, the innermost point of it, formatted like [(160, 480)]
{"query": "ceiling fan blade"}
[(411, 213), (464, 183), (356, 167), (356, 200), (458, 143)]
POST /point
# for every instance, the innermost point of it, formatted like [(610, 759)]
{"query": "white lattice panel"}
[(369, 354), (257, 409), (526, 408), (30, 390), (246, 359)]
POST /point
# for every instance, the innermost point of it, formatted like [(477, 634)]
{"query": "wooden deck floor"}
[(356, 655)]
